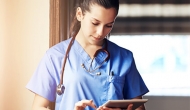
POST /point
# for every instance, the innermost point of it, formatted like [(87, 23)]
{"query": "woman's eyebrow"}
[(111, 22), (95, 19), (99, 21)]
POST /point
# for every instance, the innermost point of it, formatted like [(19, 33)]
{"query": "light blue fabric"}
[(125, 83)]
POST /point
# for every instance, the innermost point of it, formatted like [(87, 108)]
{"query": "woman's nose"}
[(100, 31)]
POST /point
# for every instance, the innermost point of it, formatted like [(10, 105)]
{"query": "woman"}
[(91, 75)]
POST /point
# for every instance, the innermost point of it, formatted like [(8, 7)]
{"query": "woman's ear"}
[(79, 14)]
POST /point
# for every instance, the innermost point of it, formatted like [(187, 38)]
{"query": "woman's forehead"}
[(102, 14)]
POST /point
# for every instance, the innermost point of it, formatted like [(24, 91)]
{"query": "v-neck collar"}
[(84, 55)]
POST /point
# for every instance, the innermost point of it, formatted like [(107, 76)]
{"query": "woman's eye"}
[(95, 23), (109, 26)]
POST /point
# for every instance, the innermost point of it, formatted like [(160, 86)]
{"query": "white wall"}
[(24, 38)]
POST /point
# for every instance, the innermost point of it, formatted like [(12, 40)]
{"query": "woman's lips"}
[(97, 38)]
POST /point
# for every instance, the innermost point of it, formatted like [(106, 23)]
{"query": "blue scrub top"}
[(125, 81)]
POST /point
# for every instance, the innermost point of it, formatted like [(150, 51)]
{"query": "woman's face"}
[(96, 24)]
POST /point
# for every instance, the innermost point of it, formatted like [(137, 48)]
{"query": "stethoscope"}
[(60, 87)]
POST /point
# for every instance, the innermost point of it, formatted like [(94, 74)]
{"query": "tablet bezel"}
[(123, 104)]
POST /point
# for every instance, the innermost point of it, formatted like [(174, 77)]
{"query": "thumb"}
[(130, 107)]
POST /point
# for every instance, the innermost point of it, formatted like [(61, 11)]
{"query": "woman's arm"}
[(40, 103)]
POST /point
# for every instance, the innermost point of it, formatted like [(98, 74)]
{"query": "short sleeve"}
[(42, 81), (134, 84)]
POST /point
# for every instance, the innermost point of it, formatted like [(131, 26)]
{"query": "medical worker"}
[(94, 69)]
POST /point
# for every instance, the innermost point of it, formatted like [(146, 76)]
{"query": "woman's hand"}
[(83, 103), (105, 108)]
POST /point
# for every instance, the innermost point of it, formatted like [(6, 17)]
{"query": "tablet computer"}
[(123, 104)]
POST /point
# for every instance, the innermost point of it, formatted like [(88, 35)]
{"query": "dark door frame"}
[(59, 24), (59, 20)]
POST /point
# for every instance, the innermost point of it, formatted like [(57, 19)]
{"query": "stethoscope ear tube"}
[(103, 50), (60, 87)]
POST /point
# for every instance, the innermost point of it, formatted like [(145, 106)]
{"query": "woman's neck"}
[(88, 47)]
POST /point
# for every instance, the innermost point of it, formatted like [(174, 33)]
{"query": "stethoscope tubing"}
[(60, 87)]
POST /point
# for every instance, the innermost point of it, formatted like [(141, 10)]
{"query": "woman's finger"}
[(83, 103), (106, 108), (130, 107)]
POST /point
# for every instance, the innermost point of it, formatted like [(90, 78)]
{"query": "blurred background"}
[(158, 34), (156, 31)]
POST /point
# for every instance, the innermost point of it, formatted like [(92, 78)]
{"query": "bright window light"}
[(162, 60)]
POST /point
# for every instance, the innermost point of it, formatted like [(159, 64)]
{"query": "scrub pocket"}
[(115, 87)]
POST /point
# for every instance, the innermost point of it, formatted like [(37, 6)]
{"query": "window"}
[(162, 60)]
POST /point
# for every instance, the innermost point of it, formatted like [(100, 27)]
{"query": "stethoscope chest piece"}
[(60, 89)]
